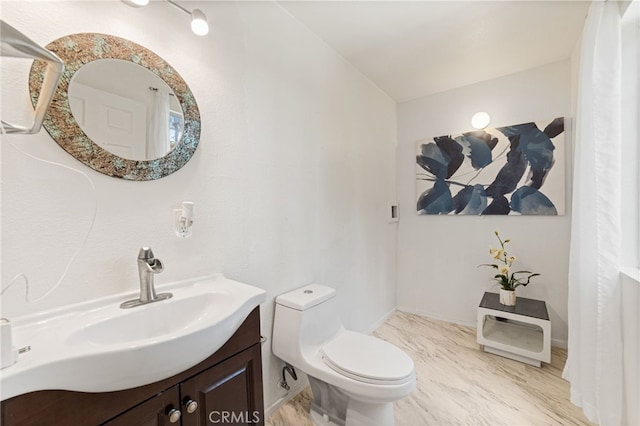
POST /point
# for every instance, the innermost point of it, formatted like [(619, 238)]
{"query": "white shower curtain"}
[(158, 136), (594, 364)]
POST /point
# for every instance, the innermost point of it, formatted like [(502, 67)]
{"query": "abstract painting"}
[(512, 170)]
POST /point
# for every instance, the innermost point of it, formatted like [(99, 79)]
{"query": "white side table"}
[(521, 332)]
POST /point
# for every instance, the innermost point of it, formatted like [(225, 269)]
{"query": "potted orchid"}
[(507, 279)]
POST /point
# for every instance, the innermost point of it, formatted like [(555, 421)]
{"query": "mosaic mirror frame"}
[(76, 50)]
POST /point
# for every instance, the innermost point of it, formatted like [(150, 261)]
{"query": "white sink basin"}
[(98, 347), (155, 320)]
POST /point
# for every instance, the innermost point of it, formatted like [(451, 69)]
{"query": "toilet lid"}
[(367, 358)]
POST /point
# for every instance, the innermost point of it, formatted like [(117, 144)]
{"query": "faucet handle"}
[(146, 254)]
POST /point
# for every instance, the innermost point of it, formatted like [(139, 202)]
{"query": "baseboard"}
[(293, 392), (559, 343), (431, 315), (381, 321)]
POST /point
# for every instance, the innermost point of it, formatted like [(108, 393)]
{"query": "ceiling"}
[(412, 49)]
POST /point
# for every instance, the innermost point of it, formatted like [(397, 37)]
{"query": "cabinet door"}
[(153, 412), (229, 393)]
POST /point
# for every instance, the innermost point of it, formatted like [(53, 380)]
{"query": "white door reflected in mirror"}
[(126, 109)]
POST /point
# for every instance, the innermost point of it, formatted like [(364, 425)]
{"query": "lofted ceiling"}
[(412, 49)]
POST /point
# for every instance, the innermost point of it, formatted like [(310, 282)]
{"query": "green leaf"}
[(528, 279), (488, 264)]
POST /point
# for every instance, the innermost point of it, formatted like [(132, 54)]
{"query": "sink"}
[(98, 347), (153, 321)]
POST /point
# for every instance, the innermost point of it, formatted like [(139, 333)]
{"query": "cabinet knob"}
[(191, 405), (174, 415)]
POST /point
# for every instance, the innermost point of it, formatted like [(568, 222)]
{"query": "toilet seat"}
[(367, 359)]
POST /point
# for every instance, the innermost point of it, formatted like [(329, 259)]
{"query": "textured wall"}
[(438, 256), (291, 180)]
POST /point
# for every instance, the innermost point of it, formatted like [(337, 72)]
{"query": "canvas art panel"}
[(510, 170)]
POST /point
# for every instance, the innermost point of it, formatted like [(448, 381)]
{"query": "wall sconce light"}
[(199, 24), (480, 120)]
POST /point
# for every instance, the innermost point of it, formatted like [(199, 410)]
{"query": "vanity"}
[(191, 359), (229, 381)]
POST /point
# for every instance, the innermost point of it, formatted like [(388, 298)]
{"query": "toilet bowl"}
[(354, 378)]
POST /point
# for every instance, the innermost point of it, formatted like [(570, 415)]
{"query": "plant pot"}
[(508, 297)]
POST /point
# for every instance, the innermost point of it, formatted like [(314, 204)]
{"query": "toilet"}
[(354, 378)]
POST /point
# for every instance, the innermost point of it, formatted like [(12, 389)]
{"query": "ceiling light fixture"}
[(480, 120), (199, 23)]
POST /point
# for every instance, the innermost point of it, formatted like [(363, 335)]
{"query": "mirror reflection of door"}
[(113, 122), (126, 109)]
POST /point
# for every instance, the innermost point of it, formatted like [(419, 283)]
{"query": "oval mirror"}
[(119, 108), (125, 109)]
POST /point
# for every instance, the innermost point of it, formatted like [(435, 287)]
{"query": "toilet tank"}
[(304, 319)]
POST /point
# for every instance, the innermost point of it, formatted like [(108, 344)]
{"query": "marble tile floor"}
[(458, 384)]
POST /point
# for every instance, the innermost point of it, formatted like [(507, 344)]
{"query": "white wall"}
[(438, 255), (291, 179)]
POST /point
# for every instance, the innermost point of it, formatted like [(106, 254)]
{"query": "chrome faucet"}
[(148, 265)]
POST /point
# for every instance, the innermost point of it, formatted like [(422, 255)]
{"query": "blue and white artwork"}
[(512, 170)]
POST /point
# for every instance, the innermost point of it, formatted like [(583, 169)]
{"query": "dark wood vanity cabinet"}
[(225, 394), (224, 389), (152, 412)]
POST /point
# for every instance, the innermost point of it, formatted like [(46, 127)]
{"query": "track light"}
[(199, 24)]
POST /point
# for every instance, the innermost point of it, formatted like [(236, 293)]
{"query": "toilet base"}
[(329, 403), (319, 419), (331, 406), (362, 413)]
